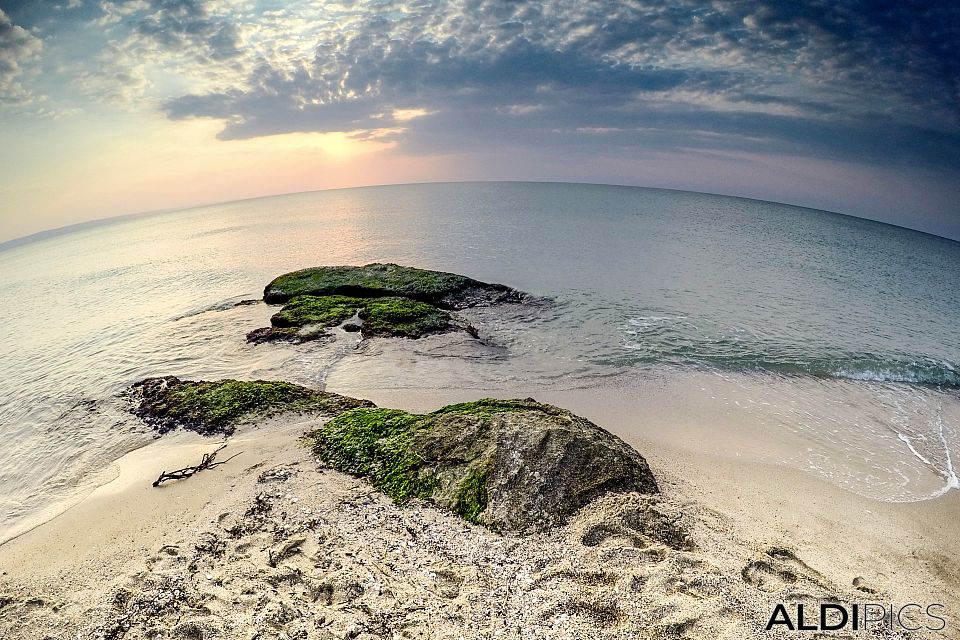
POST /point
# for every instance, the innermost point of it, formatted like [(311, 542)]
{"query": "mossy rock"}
[(405, 318), (295, 335), (322, 311), (389, 299), (439, 288), (217, 407), (306, 318), (515, 466)]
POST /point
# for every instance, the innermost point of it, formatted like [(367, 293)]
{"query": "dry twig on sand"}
[(205, 463)]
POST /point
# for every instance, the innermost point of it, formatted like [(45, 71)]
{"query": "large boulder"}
[(218, 407), (439, 288), (515, 466)]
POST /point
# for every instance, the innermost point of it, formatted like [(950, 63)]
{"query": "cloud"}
[(854, 79), (114, 12), (17, 47), (181, 26), (830, 78), (150, 47)]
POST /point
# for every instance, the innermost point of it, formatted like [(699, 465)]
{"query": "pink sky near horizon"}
[(181, 165)]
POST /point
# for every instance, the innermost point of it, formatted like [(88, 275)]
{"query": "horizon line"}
[(96, 222)]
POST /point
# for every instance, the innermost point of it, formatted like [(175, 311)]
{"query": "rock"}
[(284, 334), (216, 407), (321, 311), (405, 318), (388, 299), (515, 466), (441, 289), (306, 317)]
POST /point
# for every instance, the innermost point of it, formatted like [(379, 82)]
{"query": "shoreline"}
[(77, 561), (663, 410), (58, 507)]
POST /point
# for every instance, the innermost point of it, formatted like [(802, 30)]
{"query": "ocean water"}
[(836, 337)]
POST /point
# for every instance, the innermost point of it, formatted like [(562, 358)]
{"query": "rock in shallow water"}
[(515, 466), (217, 407), (439, 288), (386, 299), (292, 335), (305, 317)]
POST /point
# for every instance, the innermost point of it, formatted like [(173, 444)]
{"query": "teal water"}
[(640, 282)]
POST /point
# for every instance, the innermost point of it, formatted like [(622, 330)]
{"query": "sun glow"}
[(142, 164), (338, 144)]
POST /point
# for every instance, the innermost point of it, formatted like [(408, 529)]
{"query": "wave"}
[(911, 372), (846, 367), (879, 369), (668, 339)]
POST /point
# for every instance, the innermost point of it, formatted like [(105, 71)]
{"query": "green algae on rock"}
[(515, 466), (323, 311), (217, 407), (376, 280), (380, 316), (406, 318), (284, 334), (388, 300), (306, 318)]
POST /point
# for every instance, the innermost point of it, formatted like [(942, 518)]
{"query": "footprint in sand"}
[(612, 534), (166, 557), (593, 612), (780, 568), (446, 583), (640, 528), (585, 578)]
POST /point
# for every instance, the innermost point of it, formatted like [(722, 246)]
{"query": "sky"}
[(114, 107)]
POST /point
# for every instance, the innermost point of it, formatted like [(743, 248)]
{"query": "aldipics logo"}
[(831, 616)]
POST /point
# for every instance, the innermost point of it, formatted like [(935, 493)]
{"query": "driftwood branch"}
[(205, 463)]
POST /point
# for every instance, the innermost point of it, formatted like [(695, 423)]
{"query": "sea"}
[(834, 339)]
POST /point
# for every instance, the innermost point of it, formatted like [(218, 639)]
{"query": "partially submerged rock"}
[(306, 318), (283, 334), (406, 318), (515, 466), (217, 407), (322, 311), (439, 288), (375, 299)]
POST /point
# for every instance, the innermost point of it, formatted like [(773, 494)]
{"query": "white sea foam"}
[(950, 475)]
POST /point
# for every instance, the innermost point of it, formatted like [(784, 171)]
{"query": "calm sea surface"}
[(838, 334)]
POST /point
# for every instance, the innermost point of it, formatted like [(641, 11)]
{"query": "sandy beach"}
[(486, 320), (272, 545)]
